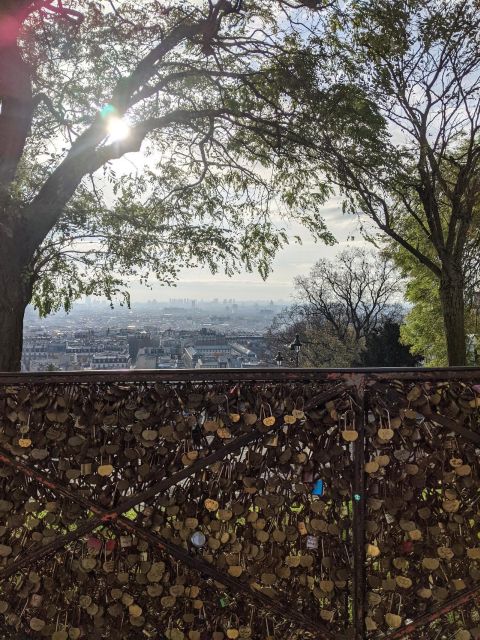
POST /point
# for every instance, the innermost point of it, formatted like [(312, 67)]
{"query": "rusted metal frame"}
[(358, 523), (164, 545), (456, 601), (125, 505), (176, 376), (452, 425), (424, 374), (240, 375)]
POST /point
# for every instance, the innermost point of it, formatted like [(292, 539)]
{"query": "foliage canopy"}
[(418, 63), (211, 92)]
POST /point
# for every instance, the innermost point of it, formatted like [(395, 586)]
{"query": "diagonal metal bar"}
[(166, 483), (236, 585), (103, 516), (452, 425), (219, 454), (174, 550), (462, 598)]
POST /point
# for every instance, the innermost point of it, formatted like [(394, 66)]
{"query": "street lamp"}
[(279, 359), (295, 346)]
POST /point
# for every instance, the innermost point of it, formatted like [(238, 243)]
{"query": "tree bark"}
[(15, 294), (453, 308), (11, 335), (16, 110)]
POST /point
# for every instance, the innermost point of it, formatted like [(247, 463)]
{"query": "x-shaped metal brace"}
[(114, 517)]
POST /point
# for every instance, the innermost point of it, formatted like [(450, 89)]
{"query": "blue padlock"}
[(317, 488)]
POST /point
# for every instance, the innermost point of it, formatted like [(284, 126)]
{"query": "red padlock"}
[(406, 546)]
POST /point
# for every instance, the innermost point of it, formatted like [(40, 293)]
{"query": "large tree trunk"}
[(16, 109), (15, 294), (11, 333), (453, 308)]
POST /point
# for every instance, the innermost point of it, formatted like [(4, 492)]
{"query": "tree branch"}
[(44, 211)]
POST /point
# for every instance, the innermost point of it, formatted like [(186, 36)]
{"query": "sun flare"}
[(118, 129)]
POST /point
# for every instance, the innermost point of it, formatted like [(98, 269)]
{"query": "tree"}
[(384, 349), (339, 305), (52, 367), (352, 294), (419, 63), (208, 90), (320, 346), (423, 328)]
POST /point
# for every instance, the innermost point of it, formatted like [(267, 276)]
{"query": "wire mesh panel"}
[(194, 510), (423, 520), (264, 505)]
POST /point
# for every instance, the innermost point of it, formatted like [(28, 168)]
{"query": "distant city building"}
[(182, 333), (110, 361), (216, 351)]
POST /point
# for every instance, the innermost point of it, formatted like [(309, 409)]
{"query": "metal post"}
[(359, 580)]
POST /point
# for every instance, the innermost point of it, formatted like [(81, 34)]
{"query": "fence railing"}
[(260, 503)]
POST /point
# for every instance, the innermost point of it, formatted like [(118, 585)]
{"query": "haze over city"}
[(291, 261)]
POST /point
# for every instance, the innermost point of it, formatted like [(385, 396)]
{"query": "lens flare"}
[(117, 129)]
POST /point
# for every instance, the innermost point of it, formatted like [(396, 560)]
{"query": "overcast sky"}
[(292, 261)]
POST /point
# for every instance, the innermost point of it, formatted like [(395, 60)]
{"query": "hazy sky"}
[(292, 261)]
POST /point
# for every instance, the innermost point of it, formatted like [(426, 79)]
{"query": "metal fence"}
[(264, 504)]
